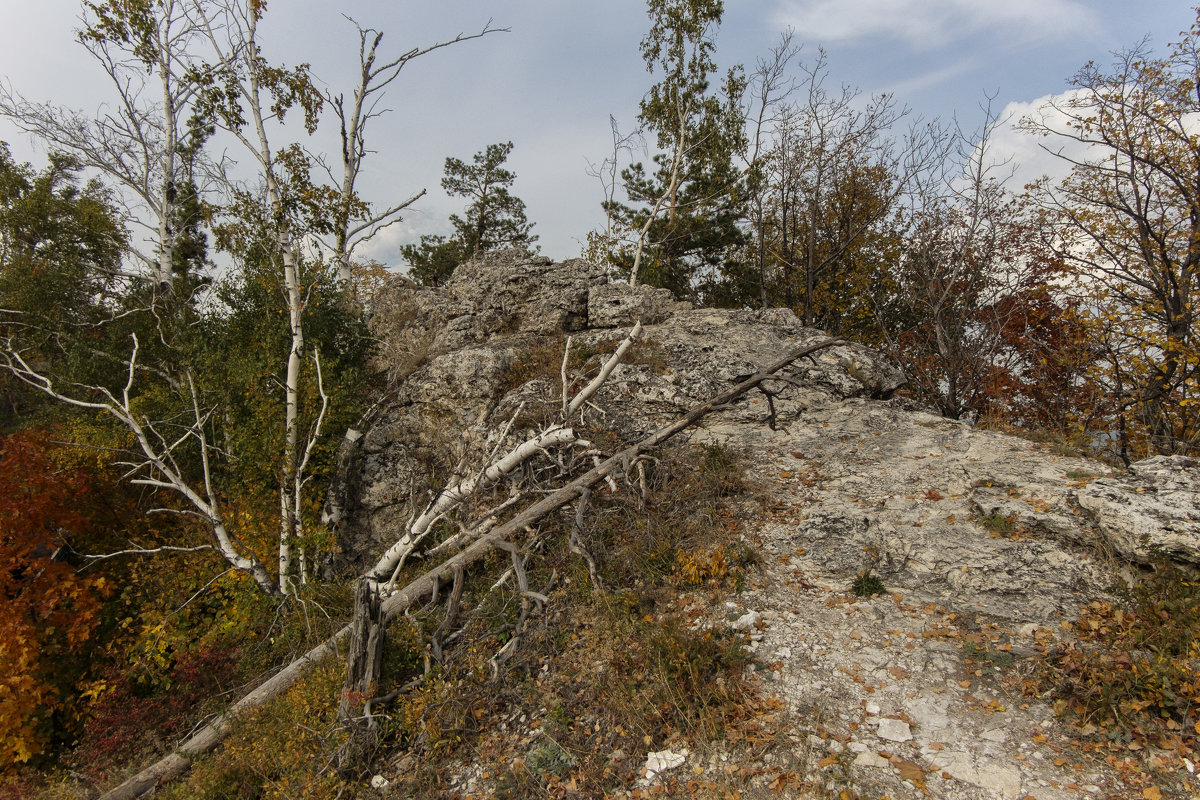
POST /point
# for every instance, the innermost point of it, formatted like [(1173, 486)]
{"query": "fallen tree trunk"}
[(175, 764)]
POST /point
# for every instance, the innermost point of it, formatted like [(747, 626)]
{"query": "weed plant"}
[(867, 585), (1133, 674)]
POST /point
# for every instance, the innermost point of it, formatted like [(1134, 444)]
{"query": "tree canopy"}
[(493, 220)]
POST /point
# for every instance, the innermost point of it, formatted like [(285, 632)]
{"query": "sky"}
[(551, 82)]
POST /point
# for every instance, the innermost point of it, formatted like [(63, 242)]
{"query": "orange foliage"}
[(49, 610)]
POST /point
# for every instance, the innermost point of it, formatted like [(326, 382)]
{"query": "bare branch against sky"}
[(551, 84)]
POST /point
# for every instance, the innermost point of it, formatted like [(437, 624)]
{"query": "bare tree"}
[(158, 444), (354, 222), (600, 245), (770, 88), (142, 142), (967, 262), (834, 174)]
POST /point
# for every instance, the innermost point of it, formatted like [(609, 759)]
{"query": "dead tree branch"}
[(204, 740)]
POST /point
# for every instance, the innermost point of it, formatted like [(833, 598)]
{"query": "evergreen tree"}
[(494, 220), (432, 262), (687, 208)]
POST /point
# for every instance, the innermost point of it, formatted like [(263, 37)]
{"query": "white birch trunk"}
[(387, 565)]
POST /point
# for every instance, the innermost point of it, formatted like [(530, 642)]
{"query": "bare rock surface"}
[(982, 552), (1152, 510), (615, 304), (984, 543)]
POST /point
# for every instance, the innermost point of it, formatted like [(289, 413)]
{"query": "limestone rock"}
[(1004, 781), (525, 292), (450, 355), (877, 483), (869, 759), (619, 304), (1154, 509), (660, 762), (894, 730)]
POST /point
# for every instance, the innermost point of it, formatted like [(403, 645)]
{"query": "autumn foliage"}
[(49, 610), (1133, 672)]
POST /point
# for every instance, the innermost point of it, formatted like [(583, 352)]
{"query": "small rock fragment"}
[(662, 761), (747, 621), (894, 730), (869, 759)]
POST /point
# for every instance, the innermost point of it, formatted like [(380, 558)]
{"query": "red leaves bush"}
[(48, 611), (138, 710)]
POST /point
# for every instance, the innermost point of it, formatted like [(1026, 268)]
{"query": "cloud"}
[(1032, 157), (927, 23), (936, 77)]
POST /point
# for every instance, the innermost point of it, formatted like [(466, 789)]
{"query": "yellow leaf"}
[(1152, 793)]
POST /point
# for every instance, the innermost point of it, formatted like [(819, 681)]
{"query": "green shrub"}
[(867, 585)]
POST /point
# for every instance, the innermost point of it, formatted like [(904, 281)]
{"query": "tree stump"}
[(364, 662)]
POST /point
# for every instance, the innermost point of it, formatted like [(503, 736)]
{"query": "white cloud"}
[(1032, 157), (926, 23), (935, 77)]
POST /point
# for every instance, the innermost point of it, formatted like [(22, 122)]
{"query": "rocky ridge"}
[(980, 539)]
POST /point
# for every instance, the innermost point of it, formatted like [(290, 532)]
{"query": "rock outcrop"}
[(901, 483), (1153, 511), (456, 354), (980, 538)]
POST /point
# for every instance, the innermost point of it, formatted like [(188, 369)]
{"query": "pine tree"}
[(687, 209), (494, 220)]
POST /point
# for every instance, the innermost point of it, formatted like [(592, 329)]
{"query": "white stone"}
[(929, 714), (379, 782), (662, 761), (873, 709), (746, 621), (1005, 781), (894, 730), (869, 759)]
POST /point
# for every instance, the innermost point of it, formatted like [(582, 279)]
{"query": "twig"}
[(147, 551), (576, 546)]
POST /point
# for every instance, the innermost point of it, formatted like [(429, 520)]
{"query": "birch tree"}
[(244, 94), (687, 210), (147, 141), (354, 221), (60, 324)]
